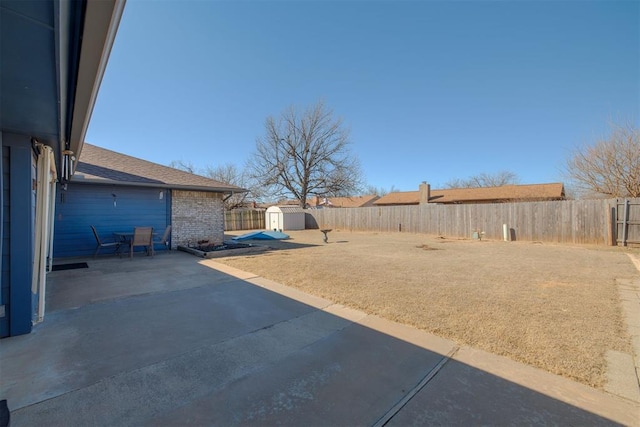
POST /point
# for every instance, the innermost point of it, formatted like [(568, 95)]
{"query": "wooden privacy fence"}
[(627, 223), (567, 221), (244, 219)]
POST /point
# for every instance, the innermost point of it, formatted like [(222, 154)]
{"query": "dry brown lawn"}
[(554, 307)]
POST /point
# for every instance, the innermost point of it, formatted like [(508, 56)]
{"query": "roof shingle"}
[(99, 165), (533, 192), (399, 198)]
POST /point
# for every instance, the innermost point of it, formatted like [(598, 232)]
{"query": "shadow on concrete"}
[(172, 341)]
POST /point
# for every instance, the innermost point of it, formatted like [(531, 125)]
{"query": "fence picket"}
[(244, 219), (566, 221)]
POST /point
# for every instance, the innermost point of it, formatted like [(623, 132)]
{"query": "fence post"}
[(625, 222), (612, 217)]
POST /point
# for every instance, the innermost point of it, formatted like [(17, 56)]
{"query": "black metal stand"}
[(325, 238)]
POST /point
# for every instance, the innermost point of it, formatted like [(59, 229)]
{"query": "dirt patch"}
[(427, 247), (554, 307), (557, 285)]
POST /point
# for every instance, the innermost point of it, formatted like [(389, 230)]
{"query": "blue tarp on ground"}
[(262, 235)]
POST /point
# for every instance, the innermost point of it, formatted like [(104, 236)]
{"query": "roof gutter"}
[(224, 190), (68, 22), (83, 59)]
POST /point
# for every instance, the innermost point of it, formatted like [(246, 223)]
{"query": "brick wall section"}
[(196, 215)]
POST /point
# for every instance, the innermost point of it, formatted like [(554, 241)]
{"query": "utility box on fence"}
[(284, 218)]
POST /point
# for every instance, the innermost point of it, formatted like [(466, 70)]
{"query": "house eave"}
[(93, 181), (99, 31)]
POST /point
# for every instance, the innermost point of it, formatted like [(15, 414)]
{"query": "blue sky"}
[(430, 90)]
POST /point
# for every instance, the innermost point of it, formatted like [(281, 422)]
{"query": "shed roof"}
[(286, 209), (101, 166)]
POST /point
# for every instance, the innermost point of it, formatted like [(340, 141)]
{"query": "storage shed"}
[(284, 218)]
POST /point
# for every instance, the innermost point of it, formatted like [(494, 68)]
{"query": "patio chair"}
[(142, 236), (102, 244), (165, 238)]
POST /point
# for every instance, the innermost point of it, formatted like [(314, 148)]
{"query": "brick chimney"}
[(425, 193)]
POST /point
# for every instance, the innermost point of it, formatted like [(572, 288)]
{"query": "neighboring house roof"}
[(330, 202), (506, 193), (399, 198), (534, 192), (343, 202), (101, 166)]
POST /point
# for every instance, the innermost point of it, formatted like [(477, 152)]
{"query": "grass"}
[(554, 307)]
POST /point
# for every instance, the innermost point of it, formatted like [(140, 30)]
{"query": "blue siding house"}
[(115, 192), (53, 56)]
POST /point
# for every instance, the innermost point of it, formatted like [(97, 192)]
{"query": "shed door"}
[(275, 221)]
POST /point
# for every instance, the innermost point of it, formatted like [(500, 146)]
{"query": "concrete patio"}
[(177, 340)]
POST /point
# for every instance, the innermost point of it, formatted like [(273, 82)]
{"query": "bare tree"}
[(303, 154), (611, 166), (378, 191), (231, 174), (227, 173), (183, 165), (485, 180), (456, 183)]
